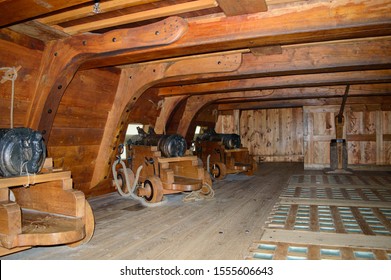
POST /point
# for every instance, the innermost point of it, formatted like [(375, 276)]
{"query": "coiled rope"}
[(129, 188)]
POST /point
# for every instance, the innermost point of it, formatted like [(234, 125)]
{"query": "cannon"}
[(157, 165), (230, 141), (223, 154), (173, 145), (22, 151)]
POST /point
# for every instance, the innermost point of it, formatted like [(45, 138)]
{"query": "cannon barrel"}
[(230, 141), (173, 145), (22, 150)]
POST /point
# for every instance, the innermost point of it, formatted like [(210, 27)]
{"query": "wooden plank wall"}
[(269, 134), (79, 123), (367, 130), (14, 55)]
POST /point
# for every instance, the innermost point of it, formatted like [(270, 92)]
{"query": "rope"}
[(21, 173), (200, 195), (129, 188), (11, 73)]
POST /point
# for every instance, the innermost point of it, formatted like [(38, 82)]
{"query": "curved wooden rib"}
[(63, 57)]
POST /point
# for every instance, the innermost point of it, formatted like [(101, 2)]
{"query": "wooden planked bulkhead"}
[(366, 130), (26, 53), (269, 134), (79, 123)]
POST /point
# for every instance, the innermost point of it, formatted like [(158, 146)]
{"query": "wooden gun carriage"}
[(164, 168), (38, 206), (222, 154), (43, 209)]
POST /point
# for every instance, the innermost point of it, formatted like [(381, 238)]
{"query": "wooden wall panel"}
[(225, 124), (273, 134), (79, 123), (366, 130), (13, 55)]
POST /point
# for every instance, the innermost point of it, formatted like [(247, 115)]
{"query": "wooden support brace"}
[(63, 58)]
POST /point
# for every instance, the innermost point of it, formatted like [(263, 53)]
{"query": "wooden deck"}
[(222, 228)]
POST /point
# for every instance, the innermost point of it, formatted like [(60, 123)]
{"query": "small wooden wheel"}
[(89, 223), (153, 189), (121, 178), (218, 170), (254, 168)]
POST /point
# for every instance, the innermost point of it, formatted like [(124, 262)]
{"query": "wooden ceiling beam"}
[(141, 16), (14, 11), (289, 103), (293, 24), (242, 7), (308, 80), (87, 11), (370, 53), (372, 90)]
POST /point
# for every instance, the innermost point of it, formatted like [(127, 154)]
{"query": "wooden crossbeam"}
[(34, 179), (342, 19), (340, 186), (87, 11), (353, 77), (335, 202), (235, 8), (140, 16), (18, 10), (309, 100), (328, 239)]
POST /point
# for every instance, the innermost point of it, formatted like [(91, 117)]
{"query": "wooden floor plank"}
[(223, 228), (327, 239)]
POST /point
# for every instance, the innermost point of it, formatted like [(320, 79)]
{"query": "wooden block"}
[(10, 218), (4, 194), (52, 198)]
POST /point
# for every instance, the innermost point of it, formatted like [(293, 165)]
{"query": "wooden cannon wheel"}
[(218, 170), (89, 222), (121, 178), (152, 190), (254, 168)]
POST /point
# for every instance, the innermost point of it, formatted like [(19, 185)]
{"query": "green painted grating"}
[(270, 250), (311, 206), (337, 219), (341, 179), (359, 194)]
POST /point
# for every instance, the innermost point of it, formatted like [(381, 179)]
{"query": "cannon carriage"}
[(223, 154), (38, 204), (157, 165)]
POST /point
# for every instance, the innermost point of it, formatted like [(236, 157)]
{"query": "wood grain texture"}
[(222, 228)]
